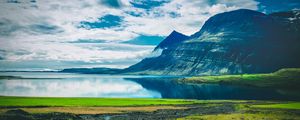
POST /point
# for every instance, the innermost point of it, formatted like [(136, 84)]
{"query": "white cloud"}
[(22, 43), (193, 14)]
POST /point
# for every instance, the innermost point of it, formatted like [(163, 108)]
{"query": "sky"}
[(56, 34)]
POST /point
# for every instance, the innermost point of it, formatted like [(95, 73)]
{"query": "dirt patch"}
[(116, 113), (99, 110)]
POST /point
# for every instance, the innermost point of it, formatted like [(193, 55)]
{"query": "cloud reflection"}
[(76, 87)]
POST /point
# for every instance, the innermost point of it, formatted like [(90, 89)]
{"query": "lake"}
[(51, 84)]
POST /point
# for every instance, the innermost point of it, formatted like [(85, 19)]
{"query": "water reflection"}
[(80, 85), (171, 89), (75, 85)]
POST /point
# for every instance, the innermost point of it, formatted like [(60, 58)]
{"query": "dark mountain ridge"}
[(235, 42), (172, 40), (92, 70)]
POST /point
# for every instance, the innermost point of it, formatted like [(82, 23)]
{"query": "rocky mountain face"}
[(172, 41), (236, 42)]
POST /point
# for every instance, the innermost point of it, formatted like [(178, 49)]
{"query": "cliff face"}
[(240, 41)]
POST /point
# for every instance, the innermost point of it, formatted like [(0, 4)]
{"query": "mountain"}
[(235, 42), (172, 40), (91, 70)]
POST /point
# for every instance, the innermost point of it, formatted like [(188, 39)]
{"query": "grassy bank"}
[(86, 102), (47, 105), (295, 106), (288, 79)]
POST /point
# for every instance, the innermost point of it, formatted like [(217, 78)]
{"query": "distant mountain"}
[(235, 42), (91, 70)]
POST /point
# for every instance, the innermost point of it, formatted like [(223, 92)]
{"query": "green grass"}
[(294, 105), (284, 78), (244, 109), (93, 102), (64, 102)]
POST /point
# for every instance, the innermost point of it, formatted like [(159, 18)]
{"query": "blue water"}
[(49, 84)]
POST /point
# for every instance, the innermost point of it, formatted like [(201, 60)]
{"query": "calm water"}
[(86, 85)]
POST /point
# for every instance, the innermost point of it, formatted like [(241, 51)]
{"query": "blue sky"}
[(55, 34)]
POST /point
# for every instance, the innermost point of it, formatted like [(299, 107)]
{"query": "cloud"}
[(148, 4), (89, 52), (186, 16), (7, 27), (106, 21), (93, 32), (145, 40), (57, 55), (87, 41), (278, 5), (45, 28), (13, 1), (2, 54), (114, 3)]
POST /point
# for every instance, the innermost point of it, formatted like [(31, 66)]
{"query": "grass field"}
[(282, 79), (88, 105), (96, 102), (281, 106), (87, 102)]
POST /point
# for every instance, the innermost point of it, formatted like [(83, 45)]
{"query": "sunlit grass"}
[(92, 102), (284, 78), (294, 105), (51, 101)]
